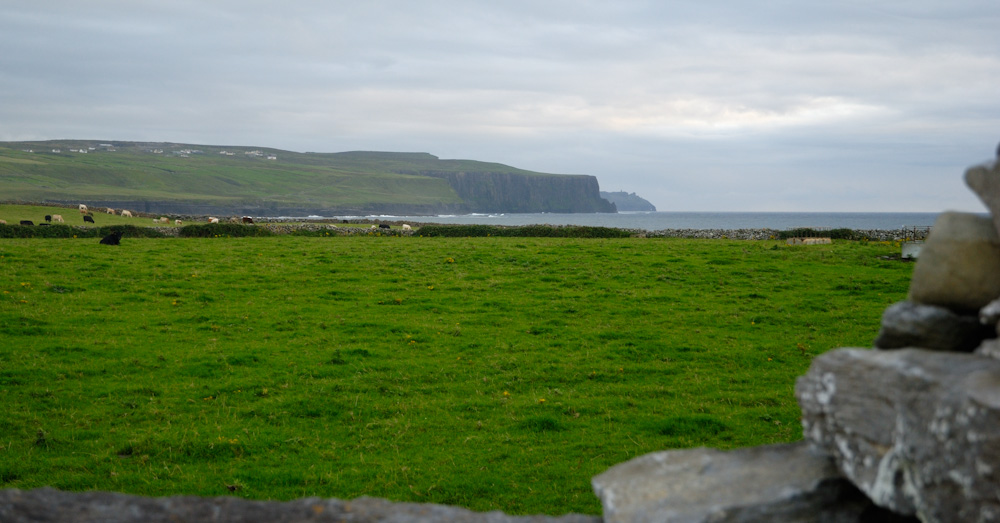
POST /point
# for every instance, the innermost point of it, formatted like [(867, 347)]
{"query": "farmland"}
[(491, 373)]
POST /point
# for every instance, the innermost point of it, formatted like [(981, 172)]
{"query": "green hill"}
[(193, 179)]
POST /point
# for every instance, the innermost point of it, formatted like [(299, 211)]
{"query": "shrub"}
[(231, 230), (806, 232), (69, 231), (525, 231)]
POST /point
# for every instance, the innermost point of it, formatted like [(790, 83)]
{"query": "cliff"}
[(211, 179), (510, 192), (628, 201)]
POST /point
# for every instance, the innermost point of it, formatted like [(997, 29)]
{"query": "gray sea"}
[(654, 221)]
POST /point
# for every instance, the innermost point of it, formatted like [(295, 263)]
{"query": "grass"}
[(491, 373), (132, 172)]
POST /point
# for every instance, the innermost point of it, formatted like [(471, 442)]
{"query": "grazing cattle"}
[(406, 227), (114, 238), (374, 226), (57, 218), (27, 222), (177, 222), (164, 219), (83, 209), (126, 214), (213, 220), (112, 211), (3, 222), (48, 218), (88, 218), (247, 219), (383, 226)]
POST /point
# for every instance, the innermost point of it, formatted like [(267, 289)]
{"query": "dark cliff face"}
[(628, 201), (518, 193)]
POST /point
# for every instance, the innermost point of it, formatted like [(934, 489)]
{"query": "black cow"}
[(27, 222), (48, 218), (88, 218), (383, 226), (114, 238)]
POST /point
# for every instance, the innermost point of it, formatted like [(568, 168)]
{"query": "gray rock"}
[(787, 483), (50, 505), (990, 314), (984, 180), (909, 324), (917, 431), (959, 266)]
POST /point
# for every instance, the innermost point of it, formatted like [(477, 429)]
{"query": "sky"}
[(725, 105)]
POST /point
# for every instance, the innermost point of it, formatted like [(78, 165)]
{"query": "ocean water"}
[(654, 221)]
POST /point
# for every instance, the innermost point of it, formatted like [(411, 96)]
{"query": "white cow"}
[(58, 218), (212, 219), (83, 209), (126, 214), (406, 227), (110, 210), (177, 222)]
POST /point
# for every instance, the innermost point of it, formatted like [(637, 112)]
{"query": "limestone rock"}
[(50, 505), (959, 265), (984, 180), (917, 431), (787, 483), (909, 324)]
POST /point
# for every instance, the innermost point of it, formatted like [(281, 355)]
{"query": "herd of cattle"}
[(88, 217)]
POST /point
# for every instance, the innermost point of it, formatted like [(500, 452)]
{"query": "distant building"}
[(272, 157)]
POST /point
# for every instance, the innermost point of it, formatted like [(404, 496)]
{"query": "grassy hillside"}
[(226, 176)]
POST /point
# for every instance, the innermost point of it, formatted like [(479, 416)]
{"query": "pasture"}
[(491, 373)]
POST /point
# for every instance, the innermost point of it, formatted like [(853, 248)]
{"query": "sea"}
[(655, 221)]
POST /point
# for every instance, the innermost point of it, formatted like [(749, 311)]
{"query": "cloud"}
[(728, 105)]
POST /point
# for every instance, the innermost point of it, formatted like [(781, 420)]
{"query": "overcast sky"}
[(703, 105)]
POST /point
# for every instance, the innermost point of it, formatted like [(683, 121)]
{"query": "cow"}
[(164, 219), (3, 222), (383, 226), (111, 211), (27, 222), (247, 219), (88, 218), (406, 227), (83, 209), (126, 214), (48, 218), (213, 220), (58, 218), (177, 222), (114, 238)]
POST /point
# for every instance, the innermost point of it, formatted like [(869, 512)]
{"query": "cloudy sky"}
[(742, 105)]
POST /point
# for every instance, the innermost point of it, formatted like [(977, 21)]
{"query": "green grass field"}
[(491, 373)]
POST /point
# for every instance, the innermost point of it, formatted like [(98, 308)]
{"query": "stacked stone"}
[(910, 431)]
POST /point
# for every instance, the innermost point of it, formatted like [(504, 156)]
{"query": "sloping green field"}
[(491, 373), (221, 176)]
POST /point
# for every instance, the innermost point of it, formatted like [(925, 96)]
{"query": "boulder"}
[(51, 505), (984, 180), (959, 265), (787, 483), (917, 431), (909, 324)]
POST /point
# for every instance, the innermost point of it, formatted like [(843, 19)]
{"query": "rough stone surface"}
[(50, 505), (908, 324), (984, 180), (787, 483), (958, 266), (917, 431)]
